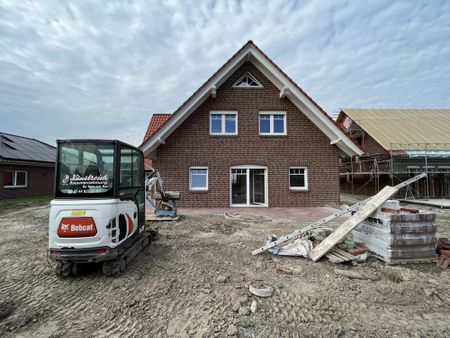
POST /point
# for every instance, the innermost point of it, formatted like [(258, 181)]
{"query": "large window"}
[(298, 178), (198, 178), (15, 179), (272, 123), (223, 123)]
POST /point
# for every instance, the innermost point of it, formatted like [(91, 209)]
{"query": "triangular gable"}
[(288, 88)]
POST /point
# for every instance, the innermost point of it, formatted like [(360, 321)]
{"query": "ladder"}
[(354, 207)]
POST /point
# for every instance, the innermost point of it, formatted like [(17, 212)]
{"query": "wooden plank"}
[(328, 243)]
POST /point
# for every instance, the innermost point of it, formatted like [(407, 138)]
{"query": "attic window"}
[(247, 80)]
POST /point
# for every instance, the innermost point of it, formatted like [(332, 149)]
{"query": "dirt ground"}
[(193, 282)]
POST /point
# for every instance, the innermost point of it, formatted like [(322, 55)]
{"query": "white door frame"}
[(266, 185)]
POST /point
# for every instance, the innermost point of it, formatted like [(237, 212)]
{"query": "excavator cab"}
[(98, 214)]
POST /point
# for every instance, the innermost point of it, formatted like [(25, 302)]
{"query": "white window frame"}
[(305, 188), (222, 113), (190, 179), (247, 173), (271, 114), (15, 179)]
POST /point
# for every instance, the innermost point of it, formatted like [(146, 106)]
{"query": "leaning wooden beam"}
[(328, 243)]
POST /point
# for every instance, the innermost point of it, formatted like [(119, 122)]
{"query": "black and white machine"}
[(98, 214)]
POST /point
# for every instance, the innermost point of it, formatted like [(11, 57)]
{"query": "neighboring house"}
[(26, 167), (249, 136), (398, 143)]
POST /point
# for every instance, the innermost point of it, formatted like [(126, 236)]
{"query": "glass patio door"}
[(248, 186)]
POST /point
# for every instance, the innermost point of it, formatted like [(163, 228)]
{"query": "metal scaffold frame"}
[(373, 172)]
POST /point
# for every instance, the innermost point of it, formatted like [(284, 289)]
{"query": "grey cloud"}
[(98, 69)]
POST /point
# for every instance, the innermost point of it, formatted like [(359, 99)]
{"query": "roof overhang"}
[(280, 80)]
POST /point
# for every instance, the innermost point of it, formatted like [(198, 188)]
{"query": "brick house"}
[(26, 167), (249, 136)]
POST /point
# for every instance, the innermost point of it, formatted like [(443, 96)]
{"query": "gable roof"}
[(15, 148), (288, 88), (157, 121), (395, 129)]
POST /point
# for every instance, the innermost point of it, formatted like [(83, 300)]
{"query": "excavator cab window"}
[(85, 169), (131, 178)]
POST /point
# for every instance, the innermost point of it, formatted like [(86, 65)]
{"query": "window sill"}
[(273, 135), (198, 191), (298, 189), (223, 135)]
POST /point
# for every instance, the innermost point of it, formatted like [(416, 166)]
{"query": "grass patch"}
[(24, 201)]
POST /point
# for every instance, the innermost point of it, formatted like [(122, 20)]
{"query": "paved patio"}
[(300, 215)]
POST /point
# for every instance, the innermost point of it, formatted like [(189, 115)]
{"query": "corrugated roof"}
[(396, 128), (156, 122), (19, 148)]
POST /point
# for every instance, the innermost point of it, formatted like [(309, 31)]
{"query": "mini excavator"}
[(98, 213)]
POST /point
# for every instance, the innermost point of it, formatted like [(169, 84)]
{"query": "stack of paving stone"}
[(397, 235)]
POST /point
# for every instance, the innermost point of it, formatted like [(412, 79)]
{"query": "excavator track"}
[(115, 267)]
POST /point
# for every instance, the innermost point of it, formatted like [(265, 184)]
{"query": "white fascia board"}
[(305, 105), (279, 80), (194, 103)]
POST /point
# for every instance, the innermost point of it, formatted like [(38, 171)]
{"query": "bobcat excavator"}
[(98, 214)]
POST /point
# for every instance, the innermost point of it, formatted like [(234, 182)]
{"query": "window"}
[(247, 81), (15, 179), (85, 169), (272, 123), (298, 178), (131, 168), (198, 178), (223, 123)]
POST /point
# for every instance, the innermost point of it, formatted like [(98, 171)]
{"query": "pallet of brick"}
[(396, 235)]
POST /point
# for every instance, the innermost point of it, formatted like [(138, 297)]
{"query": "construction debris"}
[(263, 292), (328, 243), (363, 210), (284, 269), (340, 256), (301, 232), (443, 251), (300, 247)]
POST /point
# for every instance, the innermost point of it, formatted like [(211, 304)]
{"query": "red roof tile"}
[(156, 122)]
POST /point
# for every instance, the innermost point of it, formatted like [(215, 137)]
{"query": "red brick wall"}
[(40, 181), (304, 145)]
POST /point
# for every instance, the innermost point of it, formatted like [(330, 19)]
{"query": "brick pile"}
[(398, 235)]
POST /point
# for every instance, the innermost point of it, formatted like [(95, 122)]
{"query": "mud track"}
[(193, 282)]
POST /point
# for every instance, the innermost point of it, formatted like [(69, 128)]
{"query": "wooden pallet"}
[(396, 261), (339, 256)]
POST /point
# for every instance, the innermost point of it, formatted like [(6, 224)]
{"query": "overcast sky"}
[(98, 69)]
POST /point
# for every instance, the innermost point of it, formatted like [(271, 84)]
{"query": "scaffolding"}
[(367, 175)]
